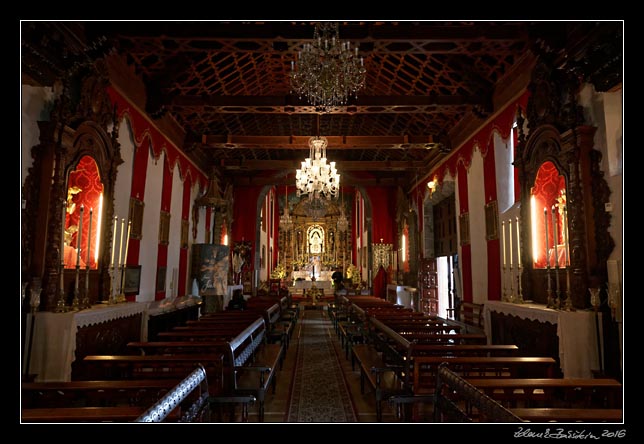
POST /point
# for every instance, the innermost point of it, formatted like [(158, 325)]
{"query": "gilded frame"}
[(164, 228)]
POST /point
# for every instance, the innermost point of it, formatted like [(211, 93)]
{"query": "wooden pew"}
[(252, 364), (425, 368), (88, 414), (104, 393), (192, 396), (117, 367), (552, 392), (453, 400)]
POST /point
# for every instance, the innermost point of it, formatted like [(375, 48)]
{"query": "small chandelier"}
[(327, 71), (286, 221), (343, 223), (315, 177)]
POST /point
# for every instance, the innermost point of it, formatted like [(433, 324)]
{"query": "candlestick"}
[(89, 235), (127, 240), (565, 234), (116, 221), (62, 237), (518, 244), (120, 260), (503, 240), (510, 230), (545, 222), (554, 234), (79, 239)]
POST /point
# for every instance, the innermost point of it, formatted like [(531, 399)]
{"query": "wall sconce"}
[(432, 187)]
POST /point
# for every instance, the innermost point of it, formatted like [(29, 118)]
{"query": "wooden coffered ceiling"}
[(226, 84)]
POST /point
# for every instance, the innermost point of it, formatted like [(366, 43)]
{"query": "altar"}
[(305, 275), (572, 334), (60, 338), (305, 285)]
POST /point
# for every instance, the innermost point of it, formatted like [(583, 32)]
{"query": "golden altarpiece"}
[(564, 226), (80, 135)]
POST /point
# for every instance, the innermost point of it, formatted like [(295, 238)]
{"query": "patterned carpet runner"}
[(319, 392)]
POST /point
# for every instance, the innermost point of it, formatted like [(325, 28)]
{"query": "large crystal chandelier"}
[(327, 71), (317, 178)]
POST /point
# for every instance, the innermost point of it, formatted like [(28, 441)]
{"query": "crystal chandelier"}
[(315, 177), (286, 221), (327, 71)]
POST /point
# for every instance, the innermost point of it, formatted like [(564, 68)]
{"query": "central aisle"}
[(319, 391)]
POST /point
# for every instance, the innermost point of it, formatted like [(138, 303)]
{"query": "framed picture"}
[(464, 225), (184, 233), (164, 228), (161, 271), (136, 216), (491, 221), (132, 279)]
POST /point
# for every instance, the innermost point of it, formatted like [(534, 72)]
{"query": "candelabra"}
[(504, 298), (551, 300), (121, 296), (511, 295), (76, 300), (112, 293), (558, 292), (568, 304), (519, 288), (84, 303), (60, 303)]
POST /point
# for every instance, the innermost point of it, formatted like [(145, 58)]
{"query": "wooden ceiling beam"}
[(245, 103), (334, 142), (286, 165)]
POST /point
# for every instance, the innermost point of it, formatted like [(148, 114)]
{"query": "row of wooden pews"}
[(240, 353), (398, 353)]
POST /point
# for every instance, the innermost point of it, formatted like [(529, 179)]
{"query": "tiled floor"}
[(276, 405)]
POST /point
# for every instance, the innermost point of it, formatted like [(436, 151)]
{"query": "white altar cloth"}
[(576, 331), (54, 341)]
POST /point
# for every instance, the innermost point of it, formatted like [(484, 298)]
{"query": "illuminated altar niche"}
[(84, 188), (549, 190)]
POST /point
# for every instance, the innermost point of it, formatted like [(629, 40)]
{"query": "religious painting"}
[(136, 215), (184, 233), (161, 272), (132, 279), (464, 226), (491, 221), (164, 228), (211, 267)]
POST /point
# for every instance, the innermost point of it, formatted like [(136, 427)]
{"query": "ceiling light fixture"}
[(317, 178), (327, 71)]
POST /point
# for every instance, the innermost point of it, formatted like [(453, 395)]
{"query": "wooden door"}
[(428, 280)]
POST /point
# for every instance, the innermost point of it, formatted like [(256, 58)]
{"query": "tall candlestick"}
[(565, 234), (518, 245), (545, 223), (554, 233), (89, 235), (127, 241), (503, 240), (120, 260), (510, 230), (116, 221), (62, 237), (79, 239)]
